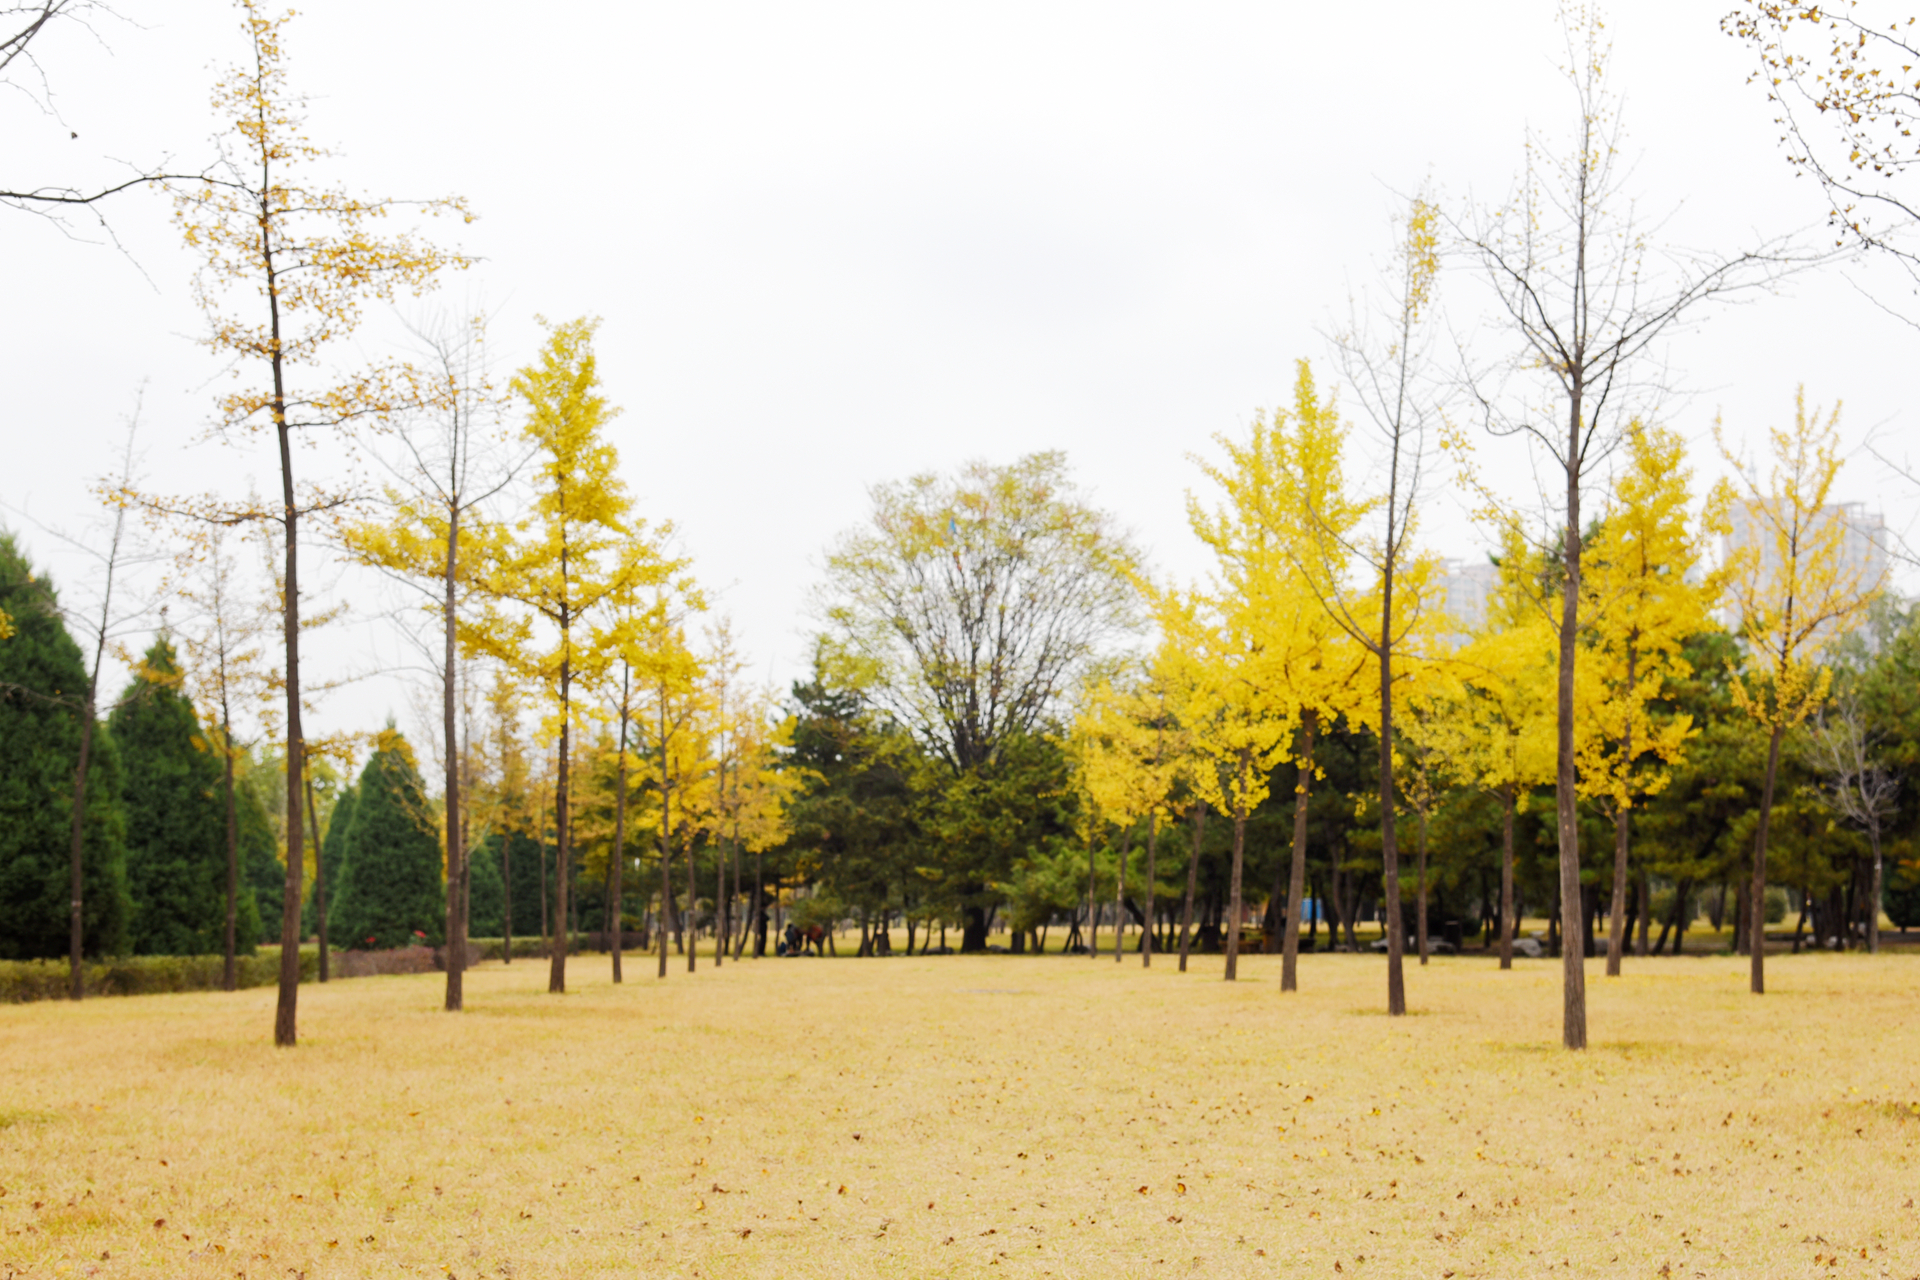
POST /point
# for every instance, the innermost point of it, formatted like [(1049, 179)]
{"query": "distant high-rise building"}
[(1467, 586), (1863, 542)]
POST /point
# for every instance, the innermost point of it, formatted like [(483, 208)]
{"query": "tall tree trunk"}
[(506, 877), (1646, 913), (456, 927), (286, 1008), (229, 973), (1193, 866), (1420, 917), (617, 890), (692, 910), (1239, 858), (1146, 937), (1297, 870), (1507, 922), (1622, 817), (76, 932), (666, 831), (546, 919), (760, 906), (1573, 969), (1389, 845), (562, 836), (1120, 894), (1757, 915), (319, 878), (1093, 905), (1877, 889)]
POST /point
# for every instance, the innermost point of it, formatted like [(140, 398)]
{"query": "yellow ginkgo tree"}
[(577, 550), (1278, 539), (1796, 589), (1645, 595)]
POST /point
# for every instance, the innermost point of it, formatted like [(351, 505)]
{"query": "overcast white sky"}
[(834, 244)]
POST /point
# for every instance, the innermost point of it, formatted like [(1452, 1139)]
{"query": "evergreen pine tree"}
[(176, 821), (333, 850), (487, 898), (390, 886), (43, 681), (263, 872)]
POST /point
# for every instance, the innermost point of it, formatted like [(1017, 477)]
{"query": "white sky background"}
[(837, 244)]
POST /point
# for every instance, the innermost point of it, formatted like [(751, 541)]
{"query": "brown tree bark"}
[(1507, 922), (1239, 858), (1193, 866), (1120, 894), (1146, 938), (319, 877), (229, 973), (1297, 871), (1757, 913), (616, 892), (1622, 817)]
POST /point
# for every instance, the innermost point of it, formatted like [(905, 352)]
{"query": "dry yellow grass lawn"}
[(944, 1116)]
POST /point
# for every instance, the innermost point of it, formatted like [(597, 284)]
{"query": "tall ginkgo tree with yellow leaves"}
[(578, 549), (1645, 596), (1796, 590), (287, 265), (1495, 727), (445, 468), (1277, 536)]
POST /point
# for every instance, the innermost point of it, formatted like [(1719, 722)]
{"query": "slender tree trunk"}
[(456, 836), (1120, 893), (1093, 906), (1874, 894), (1646, 913), (1193, 866), (1239, 858), (1297, 870), (320, 895), (229, 973), (76, 932), (690, 912), (1146, 938), (1389, 844), (1507, 922), (1420, 918), (760, 907), (1757, 915), (286, 1009), (506, 876), (1622, 818), (562, 834), (546, 918), (1573, 969), (617, 891), (319, 879), (666, 830)]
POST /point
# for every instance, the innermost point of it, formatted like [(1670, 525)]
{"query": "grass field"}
[(950, 1116)]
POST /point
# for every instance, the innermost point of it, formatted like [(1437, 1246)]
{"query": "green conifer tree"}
[(333, 851), (176, 824), (390, 883), (486, 897), (43, 683), (263, 872)]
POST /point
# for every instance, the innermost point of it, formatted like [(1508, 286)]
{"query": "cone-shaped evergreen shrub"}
[(263, 872), (176, 815), (43, 685), (389, 892), (333, 848)]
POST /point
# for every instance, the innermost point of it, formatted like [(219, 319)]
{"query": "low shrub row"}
[(22, 981), (26, 980)]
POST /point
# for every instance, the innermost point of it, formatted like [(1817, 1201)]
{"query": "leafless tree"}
[(1844, 82), (1857, 784), (1582, 302)]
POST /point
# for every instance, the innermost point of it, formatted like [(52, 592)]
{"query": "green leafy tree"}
[(43, 686), (390, 883), (176, 826)]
